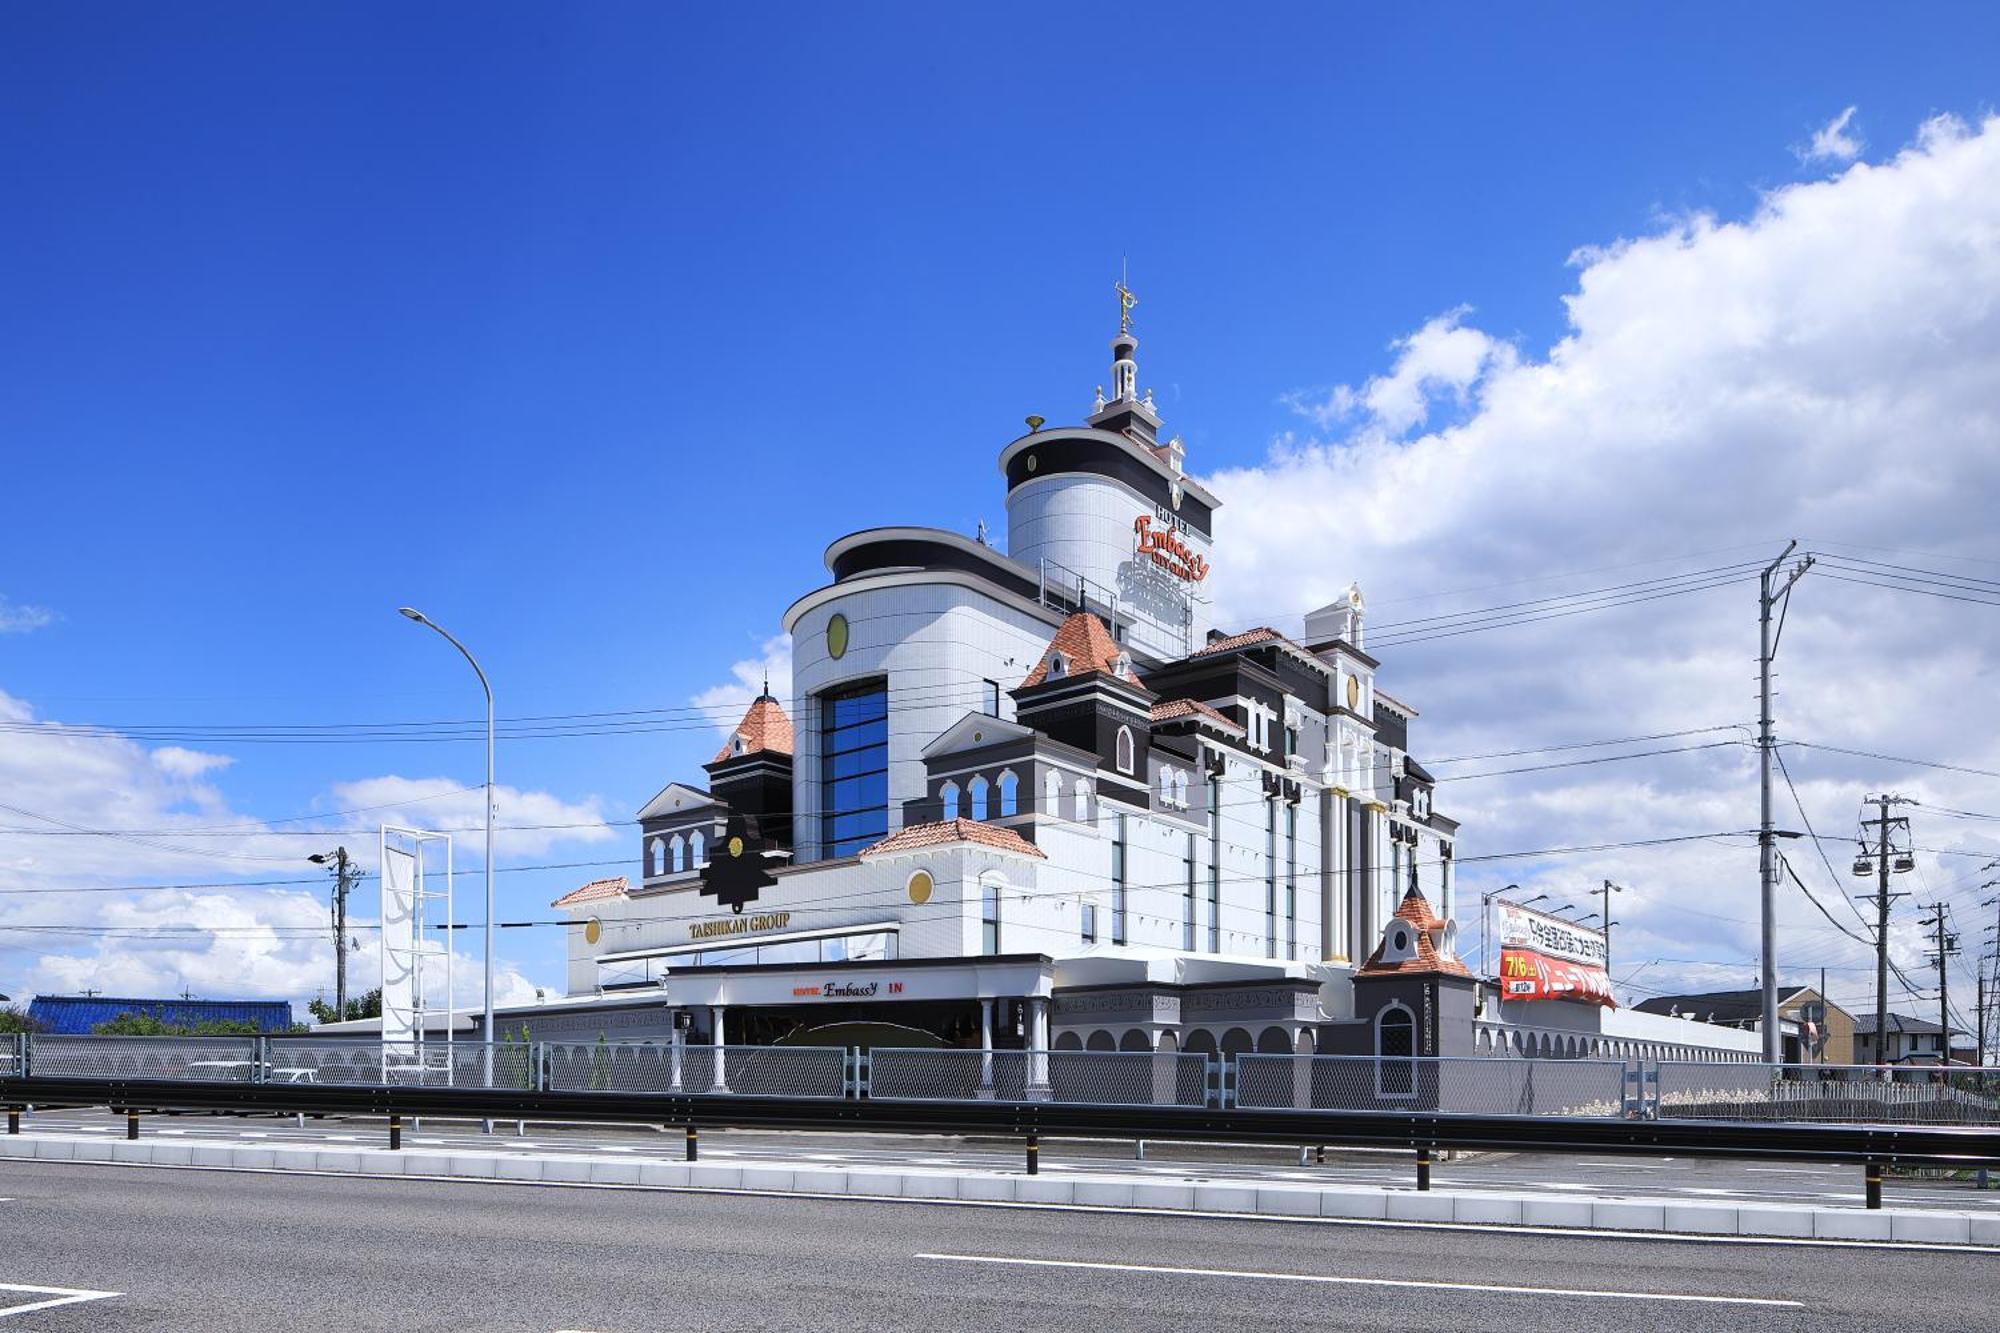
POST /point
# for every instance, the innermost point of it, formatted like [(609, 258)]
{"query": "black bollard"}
[(1423, 1168), (691, 1143), (1874, 1183), (131, 1124), (13, 1120), (1034, 1154), (1319, 1155), (395, 1133)]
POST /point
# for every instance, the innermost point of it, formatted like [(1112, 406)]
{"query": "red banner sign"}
[(1543, 957), (1527, 975)]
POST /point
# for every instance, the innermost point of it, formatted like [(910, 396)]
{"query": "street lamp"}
[(487, 1012)]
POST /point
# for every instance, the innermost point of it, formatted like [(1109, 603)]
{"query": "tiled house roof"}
[(764, 728), (1087, 648), (1428, 928), (1173, 710), (1262, 634), (615, 887), (948, 831)]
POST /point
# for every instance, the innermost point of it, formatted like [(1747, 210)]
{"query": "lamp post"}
[(484, 684)]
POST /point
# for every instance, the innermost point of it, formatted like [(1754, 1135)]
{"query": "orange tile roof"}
[(764, 728), (1428, 927), (615, 887), (948, 831), (1262, 634), (1089, 648), (1173, 710)]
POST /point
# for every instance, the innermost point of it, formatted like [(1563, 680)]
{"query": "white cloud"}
[(1832, 142), (1822, 368), (21, 618), (725, 704), (190, 764), (1442, 359), (68, 921), (526, 823)]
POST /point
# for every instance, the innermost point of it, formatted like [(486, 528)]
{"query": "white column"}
[(715, 1012), (674, 1050), (1038, 1043), (986, 1044)]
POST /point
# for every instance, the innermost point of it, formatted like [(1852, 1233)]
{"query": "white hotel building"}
[(1030, 796)]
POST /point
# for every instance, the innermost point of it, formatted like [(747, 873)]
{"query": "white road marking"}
[(56, 1296), (1789, 1171), (1333, 1280)]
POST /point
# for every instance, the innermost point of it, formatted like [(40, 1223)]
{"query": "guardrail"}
[(1851, 1094), (1423, 1132)]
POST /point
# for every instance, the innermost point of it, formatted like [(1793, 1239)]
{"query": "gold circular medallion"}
[(836, 637), (736, 846), (593, 931), (1354, 692), (920, 887)]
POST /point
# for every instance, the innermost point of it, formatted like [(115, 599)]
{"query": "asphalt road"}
[(178, 1250), (1678, 1179)]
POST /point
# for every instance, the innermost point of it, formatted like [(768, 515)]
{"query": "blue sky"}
[(586, 328)]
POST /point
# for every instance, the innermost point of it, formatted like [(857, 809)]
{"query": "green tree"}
[(365, 1006), (16, 1020), (146, 1025)]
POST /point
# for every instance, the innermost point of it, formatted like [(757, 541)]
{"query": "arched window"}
[(1124, 749), (950, 798), (1010, 794), (659, 860), (1083, 799), (678, 854), (1052, 793), (978, 792), (1395, 1043), (1181, 788), (1166, 787), (697, 850)]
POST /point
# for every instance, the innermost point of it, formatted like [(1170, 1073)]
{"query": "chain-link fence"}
[(429, 1064), (1468, 1085), (1851, 1094), (215, 1059), (1104, 1078), (757, 1071)]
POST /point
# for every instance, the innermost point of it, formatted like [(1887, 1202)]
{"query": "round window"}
[(836, 636), (1402, 940), (920, 887), (593, 931)]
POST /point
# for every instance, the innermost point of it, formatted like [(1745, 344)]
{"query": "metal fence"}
[(215, 1059), (1472, 1085), (1668, 1090), (431, 1064), (1850, 1094), (759, 1071), (1103, 1078)]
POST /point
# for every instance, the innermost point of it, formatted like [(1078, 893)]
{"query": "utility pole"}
[(1769, 594), (344, 875), (1946, 945), (1880, 864), (1605, 916)]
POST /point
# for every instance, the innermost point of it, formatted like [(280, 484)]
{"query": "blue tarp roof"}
[(78, 1014)]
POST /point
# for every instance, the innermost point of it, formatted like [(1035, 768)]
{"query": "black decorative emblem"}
[(738, 870)]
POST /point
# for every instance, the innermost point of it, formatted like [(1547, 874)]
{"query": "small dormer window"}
[(736, 745), (1058, 666), (1121, 665)]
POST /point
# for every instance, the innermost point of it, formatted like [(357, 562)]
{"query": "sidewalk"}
[(1078, 1189)]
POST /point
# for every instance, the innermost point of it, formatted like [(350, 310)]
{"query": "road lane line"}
[(1335, 1280), (57, 1296)]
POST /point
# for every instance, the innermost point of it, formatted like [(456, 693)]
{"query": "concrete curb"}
[(1260, 1199)]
